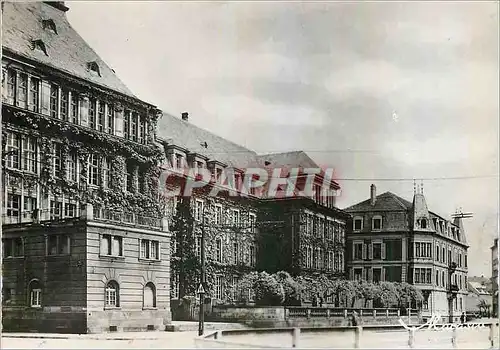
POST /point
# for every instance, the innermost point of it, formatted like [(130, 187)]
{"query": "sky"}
[(375, 90)]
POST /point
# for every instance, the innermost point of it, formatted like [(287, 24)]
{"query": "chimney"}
[(373, 194), (185, 116)]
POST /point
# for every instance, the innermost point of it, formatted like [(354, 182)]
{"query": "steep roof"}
[(184, 134), (296, 159), (66, 50), (387, 201)]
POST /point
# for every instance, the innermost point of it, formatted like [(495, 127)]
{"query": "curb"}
[(77, 336)]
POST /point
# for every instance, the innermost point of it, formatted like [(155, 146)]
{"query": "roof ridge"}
[(398, 199)]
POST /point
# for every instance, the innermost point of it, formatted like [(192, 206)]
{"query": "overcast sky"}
[(374, 90)]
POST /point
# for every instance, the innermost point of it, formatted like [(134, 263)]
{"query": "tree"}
[(290, 287), (268, 291), (184, 263), (387, 295), (369, 292), (408, 294)]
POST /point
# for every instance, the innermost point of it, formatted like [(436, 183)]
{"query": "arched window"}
[(149, 295), (35, 293), (423, 224), (112, 294)]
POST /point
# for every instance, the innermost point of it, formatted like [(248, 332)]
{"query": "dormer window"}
[(39, 45), (94, 68), (423, 224), (50, 25)]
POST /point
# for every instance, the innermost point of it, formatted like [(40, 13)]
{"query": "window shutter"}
[(370, 274), (364, 251), (370, 251), (158, 251), (383, 251), (45, 93)]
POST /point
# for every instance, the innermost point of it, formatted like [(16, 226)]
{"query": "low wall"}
[(280, 316), (44, 320), (127, 320)]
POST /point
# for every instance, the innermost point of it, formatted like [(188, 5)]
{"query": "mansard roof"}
[(386, 201), (296, 159), (67, 51)]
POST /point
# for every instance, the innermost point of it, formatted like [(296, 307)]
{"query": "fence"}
[(485, 337)]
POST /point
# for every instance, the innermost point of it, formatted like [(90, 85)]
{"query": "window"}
[(29, 154), (130, 177), (422, 250), (308, 257), (74, 107), (358, 274), (100, 116), (150, 249), (58, 244), (142, 130), (198, 210), (437, 278), (174, 287), (22, 90), (126, 124), (35, 292), (330, 260), (34, 94), (133, 126), (358, 251), (253, 255), (64, 111), (465, 260), (29, 206), (218, 250), (111, 119), (358, 224), (93, 170), (54, 97), (11, 85), (13, 205), (13, 148), (218, 287), (106, 172), (69, 210), (218, 214), (423, 223), (377, 251), (94, 68), (236, 253), (112, 294), (92, 113), (252, 218), (422, 275), (234, 287), (13, 247), (449, 256), (50, 25), (198, 246), (55, 210), (111, 245), (338, 262), (377, 223), (57, 154), (149, 296), (40, 45), (71, 166), (437, 253), (319, 258), (179, 163), (235, 217), (377, 274)]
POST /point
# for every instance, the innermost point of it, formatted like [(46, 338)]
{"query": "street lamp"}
[(201, 288), (452, 291)]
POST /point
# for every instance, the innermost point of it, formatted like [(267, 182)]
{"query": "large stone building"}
[(299, 234), (392, 239), (84, 246)]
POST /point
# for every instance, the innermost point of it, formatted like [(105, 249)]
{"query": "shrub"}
[(268, 291)]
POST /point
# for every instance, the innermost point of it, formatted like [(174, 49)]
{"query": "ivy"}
[(86, 141)]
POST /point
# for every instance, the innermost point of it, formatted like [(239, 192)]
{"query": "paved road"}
[(156, 340), (468, 338)]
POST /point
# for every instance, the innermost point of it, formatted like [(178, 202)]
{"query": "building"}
[(392, 239), (494, 276), (479, 298), (301, 235), (85, 248)]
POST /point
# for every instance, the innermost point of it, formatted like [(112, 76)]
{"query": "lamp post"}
[(201, 287), (452, 291)]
